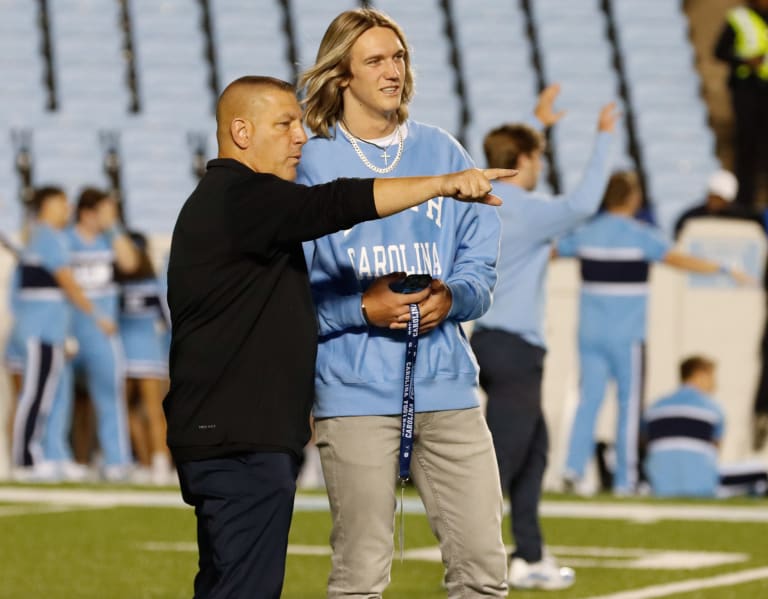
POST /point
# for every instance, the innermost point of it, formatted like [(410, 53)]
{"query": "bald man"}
[(244, 330)]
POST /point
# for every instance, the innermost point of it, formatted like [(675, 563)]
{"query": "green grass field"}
[(52, 551)]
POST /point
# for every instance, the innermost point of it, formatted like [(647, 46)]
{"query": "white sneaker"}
[(578, 486), (117, 473), (544, 575), (161, 470), (141, 475), (42, 472), (74, 472)]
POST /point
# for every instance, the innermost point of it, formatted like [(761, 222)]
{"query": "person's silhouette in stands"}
[(722, 189)]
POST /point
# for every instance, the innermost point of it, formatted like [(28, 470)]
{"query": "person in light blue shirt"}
[(615, 252), (144, 323), (508, 340), (683, 432), (356, 104), (43, 311), (98, 246)]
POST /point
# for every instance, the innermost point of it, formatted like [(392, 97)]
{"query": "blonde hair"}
[(321, 81)]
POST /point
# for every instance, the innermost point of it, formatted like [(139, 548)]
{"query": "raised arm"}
[(472, 185)]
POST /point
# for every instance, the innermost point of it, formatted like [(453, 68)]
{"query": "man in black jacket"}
[(743, 44), (244, 330)]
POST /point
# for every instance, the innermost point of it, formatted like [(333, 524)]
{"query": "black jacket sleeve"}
[(275, 212)]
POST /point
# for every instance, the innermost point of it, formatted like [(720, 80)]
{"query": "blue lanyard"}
[(409, 398)]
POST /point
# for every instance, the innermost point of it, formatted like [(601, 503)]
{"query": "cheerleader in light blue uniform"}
[(144, 322), (98, 246), (43, 311)]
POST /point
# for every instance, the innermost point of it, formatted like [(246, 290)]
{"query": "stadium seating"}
[(174, 78), (10, 207), (175, 59), (24, 95), (500, 78), (158, 174), (68, 157), (310, 20), (576, 52), (90, 76), (676, 143), (260, 48)]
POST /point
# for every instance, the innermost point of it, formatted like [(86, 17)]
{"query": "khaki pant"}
[(454, 469)]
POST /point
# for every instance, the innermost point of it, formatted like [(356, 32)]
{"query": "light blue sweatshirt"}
[(614, 251), (359, 369), (530, 221), (681, 430), (42, 309)]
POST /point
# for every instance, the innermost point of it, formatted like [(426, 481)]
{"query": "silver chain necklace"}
[(376, 169)]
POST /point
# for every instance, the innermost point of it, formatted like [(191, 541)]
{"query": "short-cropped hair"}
[(694, 364), (620, 187), (504, 145)]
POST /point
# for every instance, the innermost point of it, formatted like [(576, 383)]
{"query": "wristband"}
[(362, 309)]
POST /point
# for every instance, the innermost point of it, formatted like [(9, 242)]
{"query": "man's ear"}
[(240, 131), (344, 83), (523, 160)]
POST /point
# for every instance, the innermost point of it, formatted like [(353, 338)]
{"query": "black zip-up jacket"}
[(244, 328)]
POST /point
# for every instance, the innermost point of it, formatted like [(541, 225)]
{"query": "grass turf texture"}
[(101, 553)]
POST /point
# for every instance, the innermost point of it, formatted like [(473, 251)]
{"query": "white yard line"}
[(692, 584), (6, 510), (619, 510)]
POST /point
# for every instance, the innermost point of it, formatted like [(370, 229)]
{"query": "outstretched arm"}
[(703, 266), (472, 185)]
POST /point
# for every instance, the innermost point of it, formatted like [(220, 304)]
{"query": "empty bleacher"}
[(90, 72), (674, 138), (174, 56), (249, 39), (576, 52), (499, 76)]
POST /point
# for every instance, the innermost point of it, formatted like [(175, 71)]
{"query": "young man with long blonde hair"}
[(357, 96)]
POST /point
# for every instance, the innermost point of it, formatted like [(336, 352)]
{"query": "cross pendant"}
[(385, 156)]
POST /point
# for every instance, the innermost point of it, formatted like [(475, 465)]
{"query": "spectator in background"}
[(722, 188), (743, 44), (615, 252), (47, 289), (143, 324), (357, 99), (509, 339), (683, 433), (99, 245)]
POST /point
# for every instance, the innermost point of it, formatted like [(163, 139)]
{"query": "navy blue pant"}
[(243, 505), (510, 373)]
